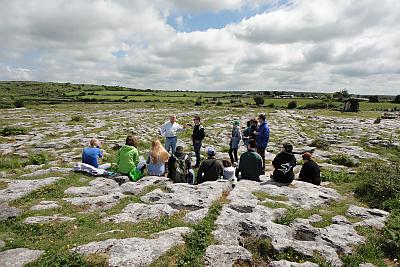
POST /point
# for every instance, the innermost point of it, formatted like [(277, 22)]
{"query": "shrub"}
[(292, 104), (219, 103), (77, 118), (38, 159), (391, 235), (337, 177), (397, 99), (19, 103), (62, 258), (343, 160), (259, 100), (320, 144), (379, 185), (10, 130), (373, 99), (271, 105), (198, 102), (316, 105)]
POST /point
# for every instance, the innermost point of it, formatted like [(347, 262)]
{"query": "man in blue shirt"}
[(91, 155), (262, 138)]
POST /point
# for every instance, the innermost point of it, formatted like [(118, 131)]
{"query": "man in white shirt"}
[(169, 130)]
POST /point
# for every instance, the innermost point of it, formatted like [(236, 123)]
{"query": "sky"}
[(296, 45)]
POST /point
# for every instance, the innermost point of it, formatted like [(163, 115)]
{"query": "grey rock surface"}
[(47, 219), (136, 212), (284, 263), (45, 205), (195, 216), (97, 187), (7, 212), (2, 244), (18, 257), (46, 171), (136, 251), (99, 203), (220, 255), (134, 188), (19, 188)]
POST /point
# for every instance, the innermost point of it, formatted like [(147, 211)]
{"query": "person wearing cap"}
[(234, 143), (169, 131), (210, 169), (197, 139), (178, 167), (310, 171), (262, 137), (250, 164), (284, 163)]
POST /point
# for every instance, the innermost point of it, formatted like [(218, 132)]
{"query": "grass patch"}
[(3, 185), (13, 162), (343, 160), (260, 195), (11, 130), (274, 205)]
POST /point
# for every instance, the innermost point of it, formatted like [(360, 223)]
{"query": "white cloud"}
[(305, 45)]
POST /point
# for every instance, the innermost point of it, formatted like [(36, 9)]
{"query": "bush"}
[(78, 118), (343, 160), (19, 103), (320, 144), (271, 105), (198, 102), (397, 99), (259, 100), (62, 258), (8, 131), (373, 99), (379, 185), (391, 235), (219, 103), (337, 177), (319, 105), (292, 104), (38, 159)]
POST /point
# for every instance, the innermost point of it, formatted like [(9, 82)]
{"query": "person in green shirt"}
[(250, 163), (128, 156)]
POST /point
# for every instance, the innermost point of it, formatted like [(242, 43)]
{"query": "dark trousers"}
[(197, 147), (233, 154), (261, 152)]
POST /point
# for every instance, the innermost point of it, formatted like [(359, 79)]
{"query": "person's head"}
[(287, 147), (252, 144), (210, 152), (131, 141), (261, 117), (179, 150), (95, 143), (196, 120), (235, 123), (253, 122), (172, 119), (306, 156), (158, 152), (226, 163), (248, 123)]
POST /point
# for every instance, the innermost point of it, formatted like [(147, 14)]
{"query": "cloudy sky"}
[(302, 45)]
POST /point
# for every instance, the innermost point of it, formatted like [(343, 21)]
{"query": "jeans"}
[(197, 147), (233, 154), (170, 143), (261, 152)]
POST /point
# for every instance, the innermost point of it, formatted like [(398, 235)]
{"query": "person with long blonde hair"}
[(157, 158)]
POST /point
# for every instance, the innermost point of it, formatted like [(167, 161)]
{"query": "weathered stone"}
[(220, 255), (7, 212), (19, 188), (372, 217), (47, 219), (99, 203), (134, 188), (338, 219), (46, 171), (97, 187), (284, 263), (136, 212), (366, 265), (136, 251), (189, 197), (45, 205), (18, 257), (195, 216), (2, 244)]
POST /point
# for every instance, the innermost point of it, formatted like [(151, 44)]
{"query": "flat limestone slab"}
[(45, 205), (136, 251), (18, 257), (47, 219), (99, 203)]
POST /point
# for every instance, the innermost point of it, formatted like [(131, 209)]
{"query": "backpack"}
[(180, 170)]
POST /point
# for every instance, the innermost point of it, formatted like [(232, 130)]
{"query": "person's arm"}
[(135, 157), (148, 159), (302, 172), (163, 129), (202, 134), (220, 169)]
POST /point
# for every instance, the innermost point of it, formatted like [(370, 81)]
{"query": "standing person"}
[(234, 143), (169, 130), (250, 132), (210, 169), (284, 163), (157, 159), (250, 164), (92, 154), (128, 156), (197, 138), (262, 137), (178, 167), (310, 171)]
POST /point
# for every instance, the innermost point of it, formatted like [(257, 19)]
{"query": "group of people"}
[(170, 160)]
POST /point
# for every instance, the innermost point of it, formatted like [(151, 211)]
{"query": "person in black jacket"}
[(210, 169), (310, 171), (197, 138), (284, 163)]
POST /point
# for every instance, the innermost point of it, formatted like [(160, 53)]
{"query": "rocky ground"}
[(138, 224)]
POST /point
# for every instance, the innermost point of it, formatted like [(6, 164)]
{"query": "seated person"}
[(178, 167), (310, 171), (284, 163), (210, 169), (92, 154), (128, 156), (250, 163), (157, 159), (229, 170)]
